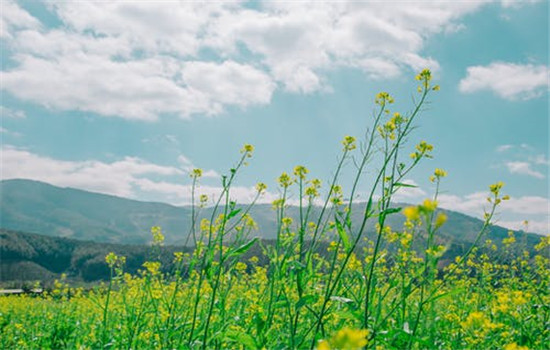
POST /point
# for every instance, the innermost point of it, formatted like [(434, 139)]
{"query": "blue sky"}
[(125, 97)]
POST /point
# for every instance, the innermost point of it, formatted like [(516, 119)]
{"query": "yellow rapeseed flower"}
[(247, 149), (196, 173), (300, 171), (152, 267), (411, 213), (495, 188), (514, 346), (261, 187), (158, 237), (440, 172), (345, 339), (111, 259), (382, 98), (284, 180), (178, 257), (440, 219), (429, 205), (286, 221), (277, 203), (349, 143)]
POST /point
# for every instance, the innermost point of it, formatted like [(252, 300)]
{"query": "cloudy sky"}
[(124, 97)]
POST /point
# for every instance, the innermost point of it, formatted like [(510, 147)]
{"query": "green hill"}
[(31, 206)]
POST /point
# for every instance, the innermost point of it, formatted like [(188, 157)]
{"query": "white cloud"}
[(100, 72), (504, 148), (137, 90), (188, 166), (173, 27), (517, 3), (525, 161), (523, 168), (116, 178), (405, 194), (180, 194), (539, 159), (475, 203), (228, 83), (128, 177), (530, 205), (12, 18), (139, 60), (6, 112), (539, 226), (140, 89), (471, 204), (508, 80), (535, 209), (9, 132)]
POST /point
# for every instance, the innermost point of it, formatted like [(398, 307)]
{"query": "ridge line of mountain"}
[(33, 206)]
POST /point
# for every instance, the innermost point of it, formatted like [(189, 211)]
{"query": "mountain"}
[(32, 206), (78, 228)]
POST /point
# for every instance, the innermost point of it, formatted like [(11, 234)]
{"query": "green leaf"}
[(368, 209), (233, 214), (280, 303), (242, 249), (390, 211), (343, 234), (401, 184)]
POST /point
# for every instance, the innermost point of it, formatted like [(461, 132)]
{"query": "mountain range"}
[(47, 230), (37, 207)]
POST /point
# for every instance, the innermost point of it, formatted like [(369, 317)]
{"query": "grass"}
[(360, 293)]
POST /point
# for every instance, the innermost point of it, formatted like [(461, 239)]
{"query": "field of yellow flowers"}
[(325, 285)]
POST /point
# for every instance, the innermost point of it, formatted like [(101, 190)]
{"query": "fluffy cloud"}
[(539, 159), (179, 194), (472, 204), (9, 132), (140, 89), (188, 166), (229, 83), (527, 205), (405, 194), (504, 148), (139, 60), (13, 18), (535, 209), (523, 168), (540, 226), (127, 177), (476, 202), (525, 160), (116, 178), (508, 80), (6, 112), (517, 3)]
